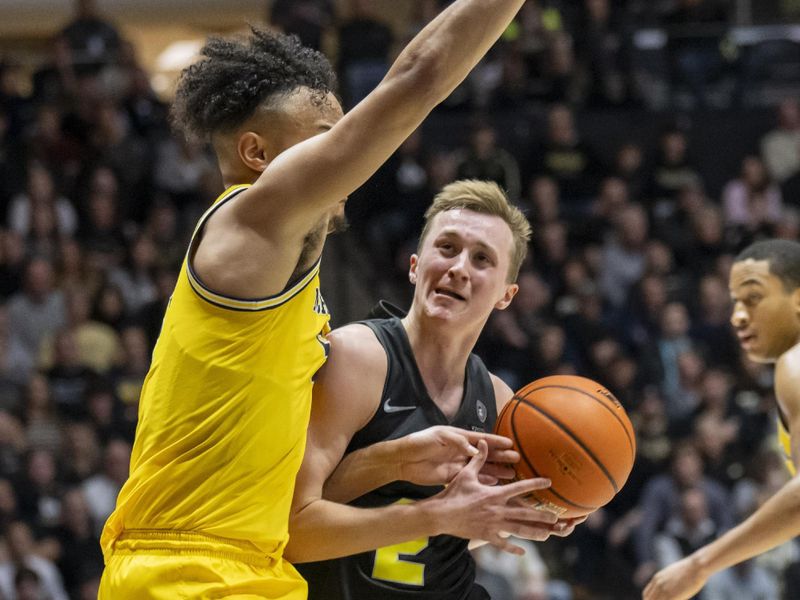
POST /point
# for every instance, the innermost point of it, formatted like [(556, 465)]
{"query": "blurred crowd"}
[(626, 281)]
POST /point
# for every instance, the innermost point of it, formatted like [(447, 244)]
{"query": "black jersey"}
[(438, 567)]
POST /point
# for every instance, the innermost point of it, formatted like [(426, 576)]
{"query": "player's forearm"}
[(447, 49), (362, 471), (323, 530), (775, 522)]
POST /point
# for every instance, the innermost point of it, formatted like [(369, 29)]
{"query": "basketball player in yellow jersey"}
[(226, 403), (765, 288)]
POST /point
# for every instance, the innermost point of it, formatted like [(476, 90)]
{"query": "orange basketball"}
[(575, 432)]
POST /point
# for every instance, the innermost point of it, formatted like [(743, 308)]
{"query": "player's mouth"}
[(449, 294), (746, 339)]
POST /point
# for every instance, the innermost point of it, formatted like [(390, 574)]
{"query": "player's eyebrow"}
[(453, 233), (747, 283)]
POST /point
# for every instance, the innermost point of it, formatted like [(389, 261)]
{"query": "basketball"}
[(575, 432)]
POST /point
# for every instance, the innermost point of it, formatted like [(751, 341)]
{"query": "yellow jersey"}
[(785, 441), (223, 413)]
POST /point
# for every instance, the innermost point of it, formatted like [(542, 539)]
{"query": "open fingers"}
[(458, 440), (492, 440), (519, 488), (528, 514), (487, 479), (502, 543), (499, 455), (498, 471)]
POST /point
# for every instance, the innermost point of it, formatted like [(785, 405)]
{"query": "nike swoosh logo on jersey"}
[(389, 408)]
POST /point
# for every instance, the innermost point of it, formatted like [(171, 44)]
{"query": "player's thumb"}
[(477, 461)]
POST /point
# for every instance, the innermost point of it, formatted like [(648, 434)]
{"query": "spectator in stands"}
[(623, 259), (687, 530), (486, 160), (567, 159), (187, 174), (41, 191), (602, 38), (94, 43), (661, 500), (43, 427), (38, 310), (69, 377), (80, 452), (101, 490), (79, 555), (307, 19), (22, 556), (752, 202), (672, 172), (101, 233), (134, 278), (745, 581), (364, 46), (39, 491), (695, 29), (780, 147)]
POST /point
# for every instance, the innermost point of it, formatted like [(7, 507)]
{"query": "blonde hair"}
[(485, 197)]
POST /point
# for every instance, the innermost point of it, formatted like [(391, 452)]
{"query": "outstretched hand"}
[(678, 581), (435, 455), (470, 509)]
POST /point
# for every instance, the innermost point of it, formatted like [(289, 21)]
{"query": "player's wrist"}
[(701, 563), (388, 457), (431, 514)]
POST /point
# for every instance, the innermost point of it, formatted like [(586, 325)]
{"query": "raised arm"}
[(775, 522), (305, 181)]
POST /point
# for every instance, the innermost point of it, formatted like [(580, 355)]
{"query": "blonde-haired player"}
[(387, 405)]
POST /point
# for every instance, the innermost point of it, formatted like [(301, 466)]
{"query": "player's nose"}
[(739, 316), (458, 266)]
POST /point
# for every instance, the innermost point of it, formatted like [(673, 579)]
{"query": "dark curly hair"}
[(222, 90)]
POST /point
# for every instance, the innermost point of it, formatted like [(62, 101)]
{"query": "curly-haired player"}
[(225, 406)]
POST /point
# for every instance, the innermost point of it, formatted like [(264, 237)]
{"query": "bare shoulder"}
[(354, 374), (356, 344), (502, 393), (787, 381), (230, 256)]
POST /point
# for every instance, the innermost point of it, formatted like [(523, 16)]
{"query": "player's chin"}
[(758, 355)]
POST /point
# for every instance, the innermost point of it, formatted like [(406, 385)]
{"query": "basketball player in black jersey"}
[(402, 403)]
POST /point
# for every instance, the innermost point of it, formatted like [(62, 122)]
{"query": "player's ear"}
[(253, 151), (508, 296), (412, 269)]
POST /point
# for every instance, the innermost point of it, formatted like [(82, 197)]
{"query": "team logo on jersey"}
[(482, 412), (319, 304)]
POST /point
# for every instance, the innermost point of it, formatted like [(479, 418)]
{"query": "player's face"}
[(462, 268), (765, 314)]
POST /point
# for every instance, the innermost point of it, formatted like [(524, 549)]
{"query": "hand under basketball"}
[(435, 455)]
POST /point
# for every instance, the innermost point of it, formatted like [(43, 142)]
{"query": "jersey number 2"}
[(390, 567)]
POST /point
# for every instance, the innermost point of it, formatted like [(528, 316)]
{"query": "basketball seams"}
[(596, 399), (574, 437), (524, 456)]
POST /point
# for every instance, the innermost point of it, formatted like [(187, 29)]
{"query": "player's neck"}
[(440, 351)]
